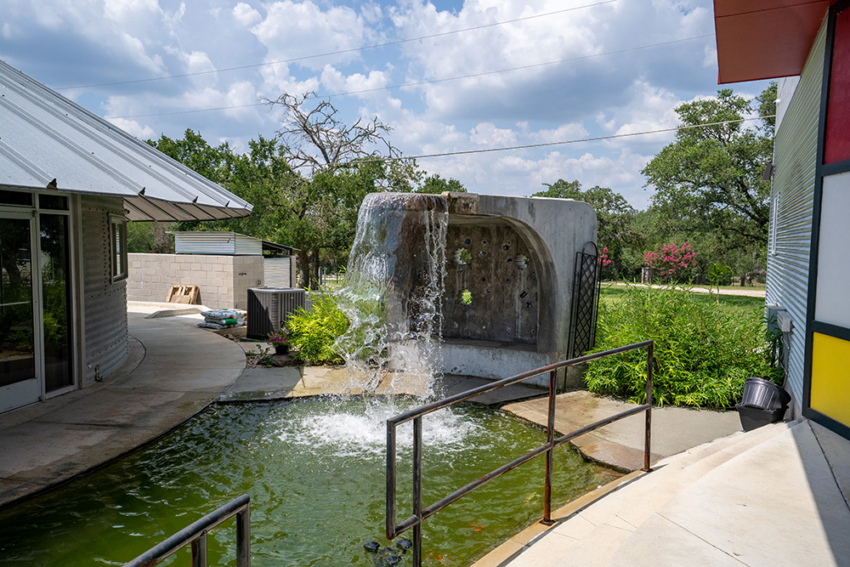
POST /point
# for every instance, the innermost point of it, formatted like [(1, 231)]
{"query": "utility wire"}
[(431, 81), (576, 141), (339, 52)]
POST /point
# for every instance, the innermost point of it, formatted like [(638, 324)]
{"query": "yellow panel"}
[(831, 377)]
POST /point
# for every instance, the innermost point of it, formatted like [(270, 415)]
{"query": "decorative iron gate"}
[(585, 301)]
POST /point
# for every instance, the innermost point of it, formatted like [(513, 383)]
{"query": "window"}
[(118, 240)]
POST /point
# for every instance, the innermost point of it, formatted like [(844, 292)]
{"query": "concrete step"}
[(592, 536), (749, 510)]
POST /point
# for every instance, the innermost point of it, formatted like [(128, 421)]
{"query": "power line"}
[(431, 81), (339, 52), (576, 141)]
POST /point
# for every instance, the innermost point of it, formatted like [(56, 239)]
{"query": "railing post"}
[(391, 472), (550, 441), (243, 538), (648, 438), (417, 491), (199, 550)]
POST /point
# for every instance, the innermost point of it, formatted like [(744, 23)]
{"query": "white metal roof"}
[(48, 142)]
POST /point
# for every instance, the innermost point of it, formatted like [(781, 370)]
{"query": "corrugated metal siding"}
[(248, 246), (217, 243), (276, 272), (220, 244), (793, 190), (105, 302)]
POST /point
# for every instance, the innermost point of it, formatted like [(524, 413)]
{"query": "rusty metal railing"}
[(196, 534), (420, 513)]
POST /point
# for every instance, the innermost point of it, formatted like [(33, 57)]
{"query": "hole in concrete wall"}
[(506, 246), (522, 262), (467, 241), (463, 256), (482, 253), (523, 295), (466, 297), (483, 242), (510, 260)]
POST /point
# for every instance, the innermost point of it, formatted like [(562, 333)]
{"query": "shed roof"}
[(48, 143), (218, 241), (765, 39)]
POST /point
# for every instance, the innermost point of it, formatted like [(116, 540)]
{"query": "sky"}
[(445, 75)]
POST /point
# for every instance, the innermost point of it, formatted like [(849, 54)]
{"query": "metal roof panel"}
[(44, 136)]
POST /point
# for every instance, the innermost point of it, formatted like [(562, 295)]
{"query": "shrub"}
[(314, 332), (702, 355)]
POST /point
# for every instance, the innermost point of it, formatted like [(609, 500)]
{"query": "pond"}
[(315, 471)]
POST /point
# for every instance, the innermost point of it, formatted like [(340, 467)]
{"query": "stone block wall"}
[(223, 280)]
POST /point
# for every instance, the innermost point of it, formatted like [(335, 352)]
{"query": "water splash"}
[(392, 294), (356, 428)]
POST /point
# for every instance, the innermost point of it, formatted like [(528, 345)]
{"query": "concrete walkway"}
[(774, 496), (621, 444), (747, 292), (174, 371)]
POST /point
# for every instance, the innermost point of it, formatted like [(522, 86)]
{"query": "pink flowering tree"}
[(671, 261), (603, 260)]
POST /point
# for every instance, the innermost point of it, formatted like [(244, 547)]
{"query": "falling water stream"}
[(315, 469), (393, 291)]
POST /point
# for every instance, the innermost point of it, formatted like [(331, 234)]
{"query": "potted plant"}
[(280, 340)]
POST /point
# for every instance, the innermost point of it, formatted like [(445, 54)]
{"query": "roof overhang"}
[(49, 143), (765, 39)]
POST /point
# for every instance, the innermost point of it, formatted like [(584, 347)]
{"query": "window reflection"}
[(17, 350), (55, 290)]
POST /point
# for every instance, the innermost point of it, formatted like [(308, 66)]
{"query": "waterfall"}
[(392, 294)]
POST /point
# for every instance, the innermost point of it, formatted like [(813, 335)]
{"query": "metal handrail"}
[(420, 513), (196, 534)]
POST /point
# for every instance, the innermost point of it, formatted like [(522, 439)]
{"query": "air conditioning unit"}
[(269, 307)]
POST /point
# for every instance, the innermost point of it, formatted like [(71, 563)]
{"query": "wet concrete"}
[(621, 444)]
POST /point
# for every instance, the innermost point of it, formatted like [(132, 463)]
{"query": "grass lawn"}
[(729, 303)]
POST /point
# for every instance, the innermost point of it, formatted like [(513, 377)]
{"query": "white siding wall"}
[(793, 192), (105, 302)]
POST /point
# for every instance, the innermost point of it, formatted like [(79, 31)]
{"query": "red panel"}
[(837, 142), (735, 7), (766, 44)]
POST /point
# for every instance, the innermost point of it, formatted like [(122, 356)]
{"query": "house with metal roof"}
[(806, 45), (69, 182)]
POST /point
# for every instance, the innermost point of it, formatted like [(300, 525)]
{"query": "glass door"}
[(19, 383), (54, 263)]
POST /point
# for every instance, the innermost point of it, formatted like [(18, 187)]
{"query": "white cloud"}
[(362, 85), (246, 15), (291, 30), (486, 134), (133, 128)]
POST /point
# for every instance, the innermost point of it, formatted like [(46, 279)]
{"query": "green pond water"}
[(315, 471)]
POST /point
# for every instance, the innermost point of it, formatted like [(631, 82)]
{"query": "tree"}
[(338, 165), (614, 218), (710, 179), (435, 185)]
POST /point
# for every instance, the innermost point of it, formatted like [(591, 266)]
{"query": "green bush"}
[(702, 355), (314, 332)]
